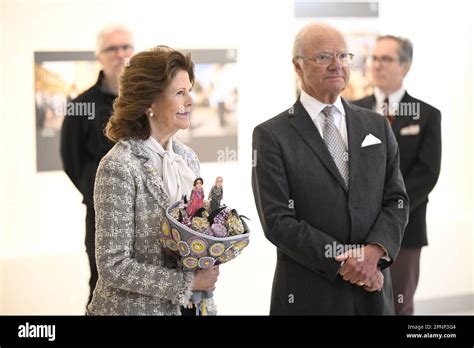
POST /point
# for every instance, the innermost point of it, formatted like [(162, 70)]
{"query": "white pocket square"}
[(370, 140), (414, 129)]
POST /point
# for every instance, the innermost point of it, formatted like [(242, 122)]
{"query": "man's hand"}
[(376, 282), (359, 270)]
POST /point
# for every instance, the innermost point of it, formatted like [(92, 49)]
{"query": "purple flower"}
[(187, 221), (222, 216), (219, 230), (207, 231)]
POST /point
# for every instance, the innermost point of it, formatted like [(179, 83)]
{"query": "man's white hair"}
[(108, 29), (299, 39), (298, 44)]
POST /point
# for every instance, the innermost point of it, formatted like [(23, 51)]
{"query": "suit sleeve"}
[(422, 177), (73, 138), (390, 224), (295, 238), (114, 198)]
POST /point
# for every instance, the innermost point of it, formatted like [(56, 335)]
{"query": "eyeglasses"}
[(326, 58), (116, 49), (384, 60)]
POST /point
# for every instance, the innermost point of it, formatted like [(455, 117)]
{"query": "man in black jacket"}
[(83, 143), (417, 127)]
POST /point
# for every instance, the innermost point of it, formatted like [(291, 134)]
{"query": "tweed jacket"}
[(136, 275)]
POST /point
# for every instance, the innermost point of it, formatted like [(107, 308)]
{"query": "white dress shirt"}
[(394, 100), (314, 108)]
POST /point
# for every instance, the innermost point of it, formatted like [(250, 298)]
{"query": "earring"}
[(151, 114)]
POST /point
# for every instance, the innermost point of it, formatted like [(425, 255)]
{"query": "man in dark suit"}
[(83, 143), (326, 178), (417, 128)]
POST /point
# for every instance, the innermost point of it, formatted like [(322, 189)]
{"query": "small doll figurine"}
[(196, 201), (216, 194)]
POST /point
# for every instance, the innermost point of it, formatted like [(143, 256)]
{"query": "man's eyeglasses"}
[(116, 49), (326, 58), (384, 60)]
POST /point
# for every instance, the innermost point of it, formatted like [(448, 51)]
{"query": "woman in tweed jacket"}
[(136, 181)]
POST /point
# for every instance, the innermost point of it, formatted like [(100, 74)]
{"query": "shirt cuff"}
[(340, 266), (385, 257)]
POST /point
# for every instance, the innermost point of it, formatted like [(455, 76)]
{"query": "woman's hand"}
[(205, 279)]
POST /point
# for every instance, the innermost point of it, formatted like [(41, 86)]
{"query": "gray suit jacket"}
[(136, 275), (305, 209)]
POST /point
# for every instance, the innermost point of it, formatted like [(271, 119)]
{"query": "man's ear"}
[(99, 59), (406, 68), (297, 66)]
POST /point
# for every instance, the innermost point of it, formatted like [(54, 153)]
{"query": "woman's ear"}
[(149, 112)]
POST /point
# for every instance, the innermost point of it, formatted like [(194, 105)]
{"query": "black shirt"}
[(83, 143)]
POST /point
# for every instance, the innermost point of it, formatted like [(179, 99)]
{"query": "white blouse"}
[(177, 177)]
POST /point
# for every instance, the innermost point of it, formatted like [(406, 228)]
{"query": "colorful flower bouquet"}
[(203, 240)]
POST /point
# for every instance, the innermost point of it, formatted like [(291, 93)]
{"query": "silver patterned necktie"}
[(336, 146)]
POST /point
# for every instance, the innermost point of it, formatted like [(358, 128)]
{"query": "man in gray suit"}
[(329, 191)]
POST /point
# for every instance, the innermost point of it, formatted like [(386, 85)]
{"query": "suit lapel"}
[(401, 121), (305, 127), (356, 132), (153, 181), (369, 103)]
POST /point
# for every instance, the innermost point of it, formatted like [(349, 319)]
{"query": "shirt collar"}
[(101, 85), (314, 106), (394, 98), (156, 147)]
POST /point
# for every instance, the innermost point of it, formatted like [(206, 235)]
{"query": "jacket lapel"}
[(304, 126), (355, 133), (369, 102), (401, 121), (153, 181)]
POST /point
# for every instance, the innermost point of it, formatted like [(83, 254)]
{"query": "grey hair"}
[(298, 44), (108, 29), (405, 47)]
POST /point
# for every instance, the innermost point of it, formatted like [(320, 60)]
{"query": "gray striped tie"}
[(333, 140)]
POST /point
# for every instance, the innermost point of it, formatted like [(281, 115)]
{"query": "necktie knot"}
[(386, 107), (329, 111), (386, 110)]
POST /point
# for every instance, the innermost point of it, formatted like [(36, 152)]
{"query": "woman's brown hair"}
[(145, 77)]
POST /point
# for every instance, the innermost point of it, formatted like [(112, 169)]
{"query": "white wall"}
[(41, 251), (2, 230)]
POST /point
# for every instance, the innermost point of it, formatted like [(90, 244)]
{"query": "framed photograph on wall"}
[(62, 76), (59, 78), (214, 119), (360, 82)]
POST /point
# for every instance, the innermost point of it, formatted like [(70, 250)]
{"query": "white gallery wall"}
[(43, 264), (2, 193)]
